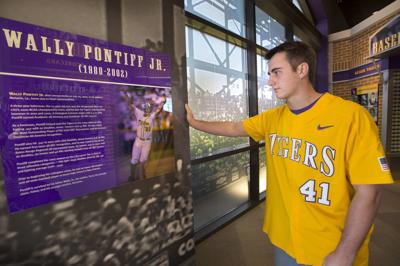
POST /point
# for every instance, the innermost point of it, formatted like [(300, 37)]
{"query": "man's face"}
[(282, 78)]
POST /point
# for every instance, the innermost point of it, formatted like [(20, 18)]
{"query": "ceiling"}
[(355, 11), (345, 14)]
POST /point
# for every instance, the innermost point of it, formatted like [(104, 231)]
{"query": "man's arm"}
[(129, 99), (363, 208), (229, 129)]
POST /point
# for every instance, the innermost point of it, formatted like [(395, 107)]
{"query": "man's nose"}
[(270, 82)]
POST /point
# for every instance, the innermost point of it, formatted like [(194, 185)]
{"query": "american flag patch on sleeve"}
[(383, 163)]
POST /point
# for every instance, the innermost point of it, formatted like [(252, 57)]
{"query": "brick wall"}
[(352, 52)]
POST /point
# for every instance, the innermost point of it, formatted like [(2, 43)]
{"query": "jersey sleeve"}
[(256, 126), (365, 157)]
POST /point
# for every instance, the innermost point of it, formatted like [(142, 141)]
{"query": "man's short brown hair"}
[(297, 53)]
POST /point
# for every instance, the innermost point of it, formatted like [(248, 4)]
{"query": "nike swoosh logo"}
[(319, 127)]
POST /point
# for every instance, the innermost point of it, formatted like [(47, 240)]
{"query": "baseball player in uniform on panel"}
[(142, 145), (325, 164)]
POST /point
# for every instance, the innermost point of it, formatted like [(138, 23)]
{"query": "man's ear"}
[(302, 70)]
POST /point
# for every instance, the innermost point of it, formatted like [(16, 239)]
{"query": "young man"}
[(325, 163)]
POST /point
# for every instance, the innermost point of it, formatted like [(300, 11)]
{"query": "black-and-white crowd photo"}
[(134, 224)]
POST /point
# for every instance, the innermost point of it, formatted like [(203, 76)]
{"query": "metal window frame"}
[(293, 15)]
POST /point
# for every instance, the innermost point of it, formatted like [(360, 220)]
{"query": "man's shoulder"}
[(343, 106), (347, 111), (275, 110), (266, 115)]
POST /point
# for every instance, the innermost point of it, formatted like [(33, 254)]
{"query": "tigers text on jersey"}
[(313, 159)]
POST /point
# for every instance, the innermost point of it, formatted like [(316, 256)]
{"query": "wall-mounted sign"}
[(359, 72), (386, 38), (367, 96), (79, 115)]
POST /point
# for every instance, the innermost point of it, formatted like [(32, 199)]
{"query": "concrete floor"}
[(242, 242)]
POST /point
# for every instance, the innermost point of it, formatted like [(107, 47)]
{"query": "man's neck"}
[(303, 98)]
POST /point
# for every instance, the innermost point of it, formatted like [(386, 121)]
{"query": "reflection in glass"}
[(228, 14), (296, 38), (217, 89), (297, 4), (269, 33), (219, 186), (266, 96), (263, 170)]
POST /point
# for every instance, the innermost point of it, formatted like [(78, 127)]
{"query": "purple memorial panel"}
[(79, 115)]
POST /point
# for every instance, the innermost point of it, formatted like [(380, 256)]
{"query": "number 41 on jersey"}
[(310, 193)]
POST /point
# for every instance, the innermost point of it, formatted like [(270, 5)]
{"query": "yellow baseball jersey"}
[(313, 159)]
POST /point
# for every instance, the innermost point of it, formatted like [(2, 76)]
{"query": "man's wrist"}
[(345, 252), (191, 121)]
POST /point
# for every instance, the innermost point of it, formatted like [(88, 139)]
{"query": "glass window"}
[(217, 89), (266, 96), (296, 38), (219, 186), (269, 33), (262, 171), (228, 14), (297, 4)]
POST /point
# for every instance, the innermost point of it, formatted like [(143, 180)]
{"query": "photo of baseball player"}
[(145, 146), (141, 146), (145, 121)]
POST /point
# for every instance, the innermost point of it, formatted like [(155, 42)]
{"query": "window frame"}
[(294, 21)]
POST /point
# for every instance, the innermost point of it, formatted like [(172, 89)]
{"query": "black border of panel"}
[(252, 96)]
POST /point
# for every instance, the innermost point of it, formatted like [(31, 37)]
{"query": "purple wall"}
[(321, 21)]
